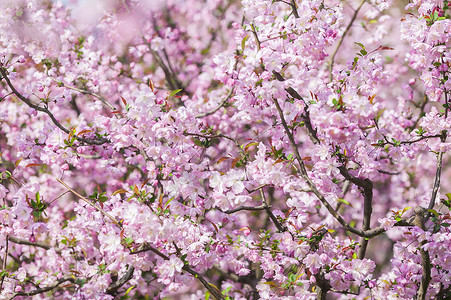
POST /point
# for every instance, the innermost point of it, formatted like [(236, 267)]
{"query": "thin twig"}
[(45, 289), (438, 174), (257, 41), (98, 141), (223, 102), (422, 107), (89, 202), (103, 100), (256, 189), (59, 196), (215, 136), (5, 258), (342, 38)]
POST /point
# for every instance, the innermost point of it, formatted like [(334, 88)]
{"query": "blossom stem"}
[(354, 16)]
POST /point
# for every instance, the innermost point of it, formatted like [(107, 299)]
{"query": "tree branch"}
[(276, 222), (112, 289), (303, 172), (103, 100), (89, 202), (5, 258), (45, 289), (354, 16), (306, 116), (420, 220), (28, 243), (217, 108), (252, 208), (295, 9), (438, 174), (99, 141), (367, 186), (212, 289)]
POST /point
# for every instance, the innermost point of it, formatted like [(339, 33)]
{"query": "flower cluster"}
[(225, 149)]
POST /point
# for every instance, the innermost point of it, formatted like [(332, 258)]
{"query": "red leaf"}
[(32, 165)]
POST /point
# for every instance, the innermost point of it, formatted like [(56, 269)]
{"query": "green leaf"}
[(433, 211), (341, 200), (129, 289), (405, 209), (128, 240), (246, 148), (207, 295), (361, 45), (174, 92), (227, 290), (197, 142), (243, 42)]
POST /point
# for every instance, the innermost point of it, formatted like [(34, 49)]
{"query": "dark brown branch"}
[(388, 173), (438, 174), (306, 116), (114, 287), (308, 124), (295, 9), (293, 93), (367, 187), (45, 289), (99, 141), (344, 292), (276, 222), (171, 78), (28, 243), (412, 141), (354, 16), (419, 220), (303, 172), (213, 290), (251, 208), (323, 286)]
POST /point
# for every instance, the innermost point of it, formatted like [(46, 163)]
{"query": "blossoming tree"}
[(225, 149)]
